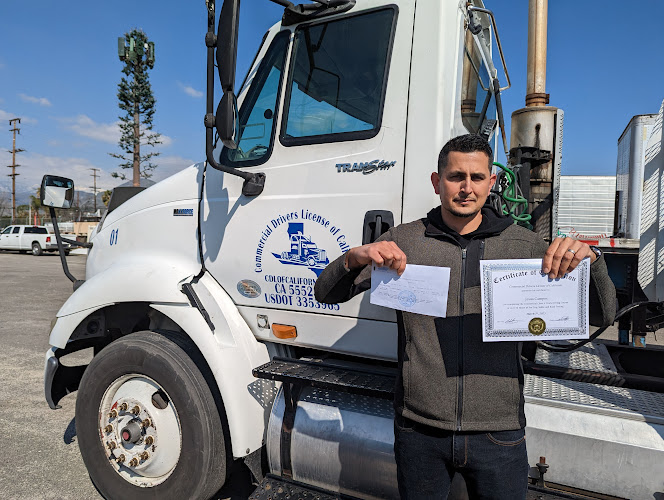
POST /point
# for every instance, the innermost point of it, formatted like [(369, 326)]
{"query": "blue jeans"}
[(493, 464)]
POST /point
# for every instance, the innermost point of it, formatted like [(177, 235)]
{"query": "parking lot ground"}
[(39, 456)]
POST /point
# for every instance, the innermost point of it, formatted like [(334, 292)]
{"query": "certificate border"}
[(488, 317)]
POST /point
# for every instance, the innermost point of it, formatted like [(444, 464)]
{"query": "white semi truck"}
[(210, 346)]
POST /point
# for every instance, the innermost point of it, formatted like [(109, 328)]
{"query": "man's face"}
[(464, 183)]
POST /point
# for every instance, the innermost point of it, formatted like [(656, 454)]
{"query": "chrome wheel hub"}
[(140, 430)]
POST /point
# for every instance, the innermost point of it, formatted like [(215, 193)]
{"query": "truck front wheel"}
[(147, 422), (36, 249)]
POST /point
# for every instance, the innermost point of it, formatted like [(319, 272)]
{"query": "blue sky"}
[(59, 72)]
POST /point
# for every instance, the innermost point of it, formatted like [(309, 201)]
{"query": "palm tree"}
[(35, 204)]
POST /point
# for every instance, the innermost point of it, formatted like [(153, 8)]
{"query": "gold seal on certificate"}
[(520, 303), (536, 326)]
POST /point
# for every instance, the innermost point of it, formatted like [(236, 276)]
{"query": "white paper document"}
[(420, 289), (520, 303)]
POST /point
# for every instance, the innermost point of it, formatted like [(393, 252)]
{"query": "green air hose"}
[(515, 205)]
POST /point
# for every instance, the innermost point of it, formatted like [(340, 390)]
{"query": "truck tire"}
[(36, 249), (147, 421)]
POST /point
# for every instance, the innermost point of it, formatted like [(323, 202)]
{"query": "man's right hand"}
[(383, 253)]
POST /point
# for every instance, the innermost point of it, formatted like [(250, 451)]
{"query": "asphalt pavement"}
[(39, 455)]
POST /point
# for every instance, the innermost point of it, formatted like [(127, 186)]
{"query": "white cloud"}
[(34, 166), (87, 127), (189, 90), (42, 101), (105, 132), (5, 115), (166, 141), (169, 165)]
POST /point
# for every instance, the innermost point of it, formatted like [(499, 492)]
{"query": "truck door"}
[(14, 240), (324, 118), (5, 237)]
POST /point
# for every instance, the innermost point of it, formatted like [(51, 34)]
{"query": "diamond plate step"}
[(325, 376), (594, 357), (274, 488)]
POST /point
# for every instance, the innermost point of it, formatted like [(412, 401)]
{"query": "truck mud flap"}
[(60, 380)]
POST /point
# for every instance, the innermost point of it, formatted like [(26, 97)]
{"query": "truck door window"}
[(338, 78), (16, 230), (477, 101), (258, 110), (7, 231)]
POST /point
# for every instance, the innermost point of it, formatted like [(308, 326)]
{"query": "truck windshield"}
[(259, 108)]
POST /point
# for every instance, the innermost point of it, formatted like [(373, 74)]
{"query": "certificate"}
[(420, 289), (520, 303)]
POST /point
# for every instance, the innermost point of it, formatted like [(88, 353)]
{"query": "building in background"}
[(586, 206), (632, 146), (651, 214)]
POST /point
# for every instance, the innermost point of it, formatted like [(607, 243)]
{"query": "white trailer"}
[(209, 344)]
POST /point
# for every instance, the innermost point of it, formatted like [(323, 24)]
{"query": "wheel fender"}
[(139, 280), (231, 351)]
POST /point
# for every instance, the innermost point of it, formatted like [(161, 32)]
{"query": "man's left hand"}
[(563, 255)]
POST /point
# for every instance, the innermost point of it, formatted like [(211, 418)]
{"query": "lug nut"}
[(145, 455), (108, 428), (146, 422), (135, 410), (149, 440), (123, 407), (113, 413), (111, 445), (120, 459), (133, 462)]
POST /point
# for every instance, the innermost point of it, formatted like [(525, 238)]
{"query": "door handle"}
[(376, 222)]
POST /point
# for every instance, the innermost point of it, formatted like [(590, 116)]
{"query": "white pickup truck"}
[(31, 238)]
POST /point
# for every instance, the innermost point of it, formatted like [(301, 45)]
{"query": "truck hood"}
[(184, 185)]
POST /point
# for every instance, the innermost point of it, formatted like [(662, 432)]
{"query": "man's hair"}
[(468, 143)]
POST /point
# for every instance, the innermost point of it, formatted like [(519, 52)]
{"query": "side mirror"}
[(227, 30), (226, 120), (56, 192)]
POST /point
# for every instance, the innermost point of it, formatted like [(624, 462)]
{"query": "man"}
[(458, 400)]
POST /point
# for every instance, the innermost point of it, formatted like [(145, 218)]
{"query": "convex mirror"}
[(56, 192)]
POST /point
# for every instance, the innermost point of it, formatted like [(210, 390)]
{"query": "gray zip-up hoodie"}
[(448, 378)]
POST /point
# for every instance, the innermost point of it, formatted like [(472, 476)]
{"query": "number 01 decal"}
[(114, 237)]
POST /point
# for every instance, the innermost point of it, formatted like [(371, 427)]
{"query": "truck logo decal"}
[(186, 212), (303, 251), (289, 247), (249, 288), (365, 167)]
